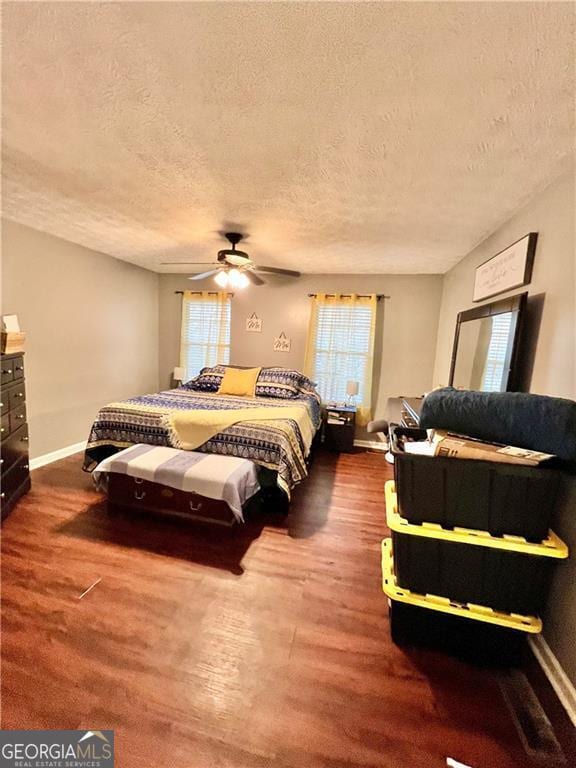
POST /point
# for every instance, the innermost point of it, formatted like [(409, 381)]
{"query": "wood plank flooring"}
[(262, 646)]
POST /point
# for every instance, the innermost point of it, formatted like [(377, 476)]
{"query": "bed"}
[(277, 444)]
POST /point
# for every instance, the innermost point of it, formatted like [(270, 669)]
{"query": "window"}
[(205, 338), (497, 353), (341, 348)]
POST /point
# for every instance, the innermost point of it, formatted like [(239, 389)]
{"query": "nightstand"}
[(339, 427)]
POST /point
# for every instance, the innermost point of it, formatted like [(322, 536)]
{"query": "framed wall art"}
[(254, 323), (282, 343), (508, 269)]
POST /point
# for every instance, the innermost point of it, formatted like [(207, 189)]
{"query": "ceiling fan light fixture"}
[(222, 279), (237, 279)]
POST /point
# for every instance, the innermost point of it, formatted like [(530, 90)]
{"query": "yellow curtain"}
[(340, 348), (205, 333)]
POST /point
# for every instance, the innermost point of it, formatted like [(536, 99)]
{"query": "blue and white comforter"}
[(277, 444)]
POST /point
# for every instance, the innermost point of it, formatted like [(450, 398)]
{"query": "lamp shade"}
[(352, 388), (237, 279), (178, 374)]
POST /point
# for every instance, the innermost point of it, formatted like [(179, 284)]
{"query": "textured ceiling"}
[(344, 137)]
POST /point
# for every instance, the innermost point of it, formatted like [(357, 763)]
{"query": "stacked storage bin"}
[(468, 565)]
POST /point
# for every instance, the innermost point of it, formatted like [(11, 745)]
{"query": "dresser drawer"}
[(16, 395), (17, 417), (14, 448), (7, 371), (13, 481), (18, 367)]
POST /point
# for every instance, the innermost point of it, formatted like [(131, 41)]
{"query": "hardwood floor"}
[(262, 646)]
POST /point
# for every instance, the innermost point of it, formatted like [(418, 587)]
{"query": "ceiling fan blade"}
[(187, 263), (277, 271), (254, 279), (202, 275)]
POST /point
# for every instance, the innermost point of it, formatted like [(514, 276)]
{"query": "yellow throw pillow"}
[(239, 382)]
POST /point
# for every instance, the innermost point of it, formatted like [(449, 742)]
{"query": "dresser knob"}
[(20, 394), (2, 430), (1, 462), (2, 495), (25, 439), (19, 367), (26, 466), (20, 416), (8, 370)]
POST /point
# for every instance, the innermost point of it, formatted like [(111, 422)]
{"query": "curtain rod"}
[(199, 293), (311, 295), (349, 295)]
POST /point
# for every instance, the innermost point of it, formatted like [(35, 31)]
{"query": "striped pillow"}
[(278, 382), (208, 380)]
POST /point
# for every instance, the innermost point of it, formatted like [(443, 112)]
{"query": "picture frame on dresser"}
[(14, 437)]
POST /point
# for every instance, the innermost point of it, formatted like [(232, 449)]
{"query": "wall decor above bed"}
[(508, 269), (282, 343), (254, 323)]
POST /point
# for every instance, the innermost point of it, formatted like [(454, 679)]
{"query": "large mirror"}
[(486, 346)]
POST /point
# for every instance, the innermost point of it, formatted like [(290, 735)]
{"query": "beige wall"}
[(552, 214), (406, 330), (92, 331)]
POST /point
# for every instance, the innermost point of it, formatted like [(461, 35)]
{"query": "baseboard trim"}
[(558, 679), (375, 445), (61, 453)]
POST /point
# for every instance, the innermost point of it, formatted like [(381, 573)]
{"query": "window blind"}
[(205, 339), (497, 352), (341, 348)]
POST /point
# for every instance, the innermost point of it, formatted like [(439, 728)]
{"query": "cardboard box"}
[(12, 342), (458, 447)]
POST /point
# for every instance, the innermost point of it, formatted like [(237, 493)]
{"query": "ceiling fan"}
[(234, 268)]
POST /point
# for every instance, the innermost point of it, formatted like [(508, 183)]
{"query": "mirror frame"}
[(515, 304)]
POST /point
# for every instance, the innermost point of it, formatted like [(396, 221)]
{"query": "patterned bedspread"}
[(276, 444)]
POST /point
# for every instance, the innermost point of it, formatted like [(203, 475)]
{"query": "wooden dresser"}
[(14, 433)]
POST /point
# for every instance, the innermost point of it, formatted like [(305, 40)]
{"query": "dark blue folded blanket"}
[(536, 422)]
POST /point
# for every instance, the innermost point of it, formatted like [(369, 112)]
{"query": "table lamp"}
[(178, 374), (352, 389)]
